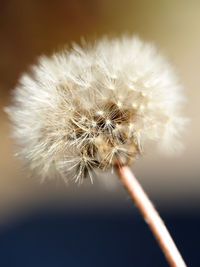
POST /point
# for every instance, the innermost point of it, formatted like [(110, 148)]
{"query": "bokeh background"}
[(107, 222)]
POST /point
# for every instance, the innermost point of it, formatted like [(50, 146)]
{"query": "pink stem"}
[(151, 216)]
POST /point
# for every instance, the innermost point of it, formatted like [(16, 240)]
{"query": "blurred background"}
[(51, 224)]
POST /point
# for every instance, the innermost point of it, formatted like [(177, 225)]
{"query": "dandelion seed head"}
[(94, 107)]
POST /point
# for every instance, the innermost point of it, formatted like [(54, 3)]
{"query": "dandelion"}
[(99, 104), (96, 107)]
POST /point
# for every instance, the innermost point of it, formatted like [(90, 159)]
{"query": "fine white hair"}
[(95, 106)]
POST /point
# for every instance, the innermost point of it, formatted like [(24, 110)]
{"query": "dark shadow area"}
[(56, 239)]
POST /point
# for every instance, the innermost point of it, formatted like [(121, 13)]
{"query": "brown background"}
[(31, 28)]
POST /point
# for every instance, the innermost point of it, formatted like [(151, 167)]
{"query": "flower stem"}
[(151, 216)]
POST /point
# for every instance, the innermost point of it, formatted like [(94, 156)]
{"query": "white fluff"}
[(53, 107)]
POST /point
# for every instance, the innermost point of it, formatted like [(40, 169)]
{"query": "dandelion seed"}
[(96, 101)]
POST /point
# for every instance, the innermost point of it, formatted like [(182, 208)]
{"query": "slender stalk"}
[(151, 216)]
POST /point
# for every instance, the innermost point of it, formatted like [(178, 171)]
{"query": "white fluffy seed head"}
[(96, 106)]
